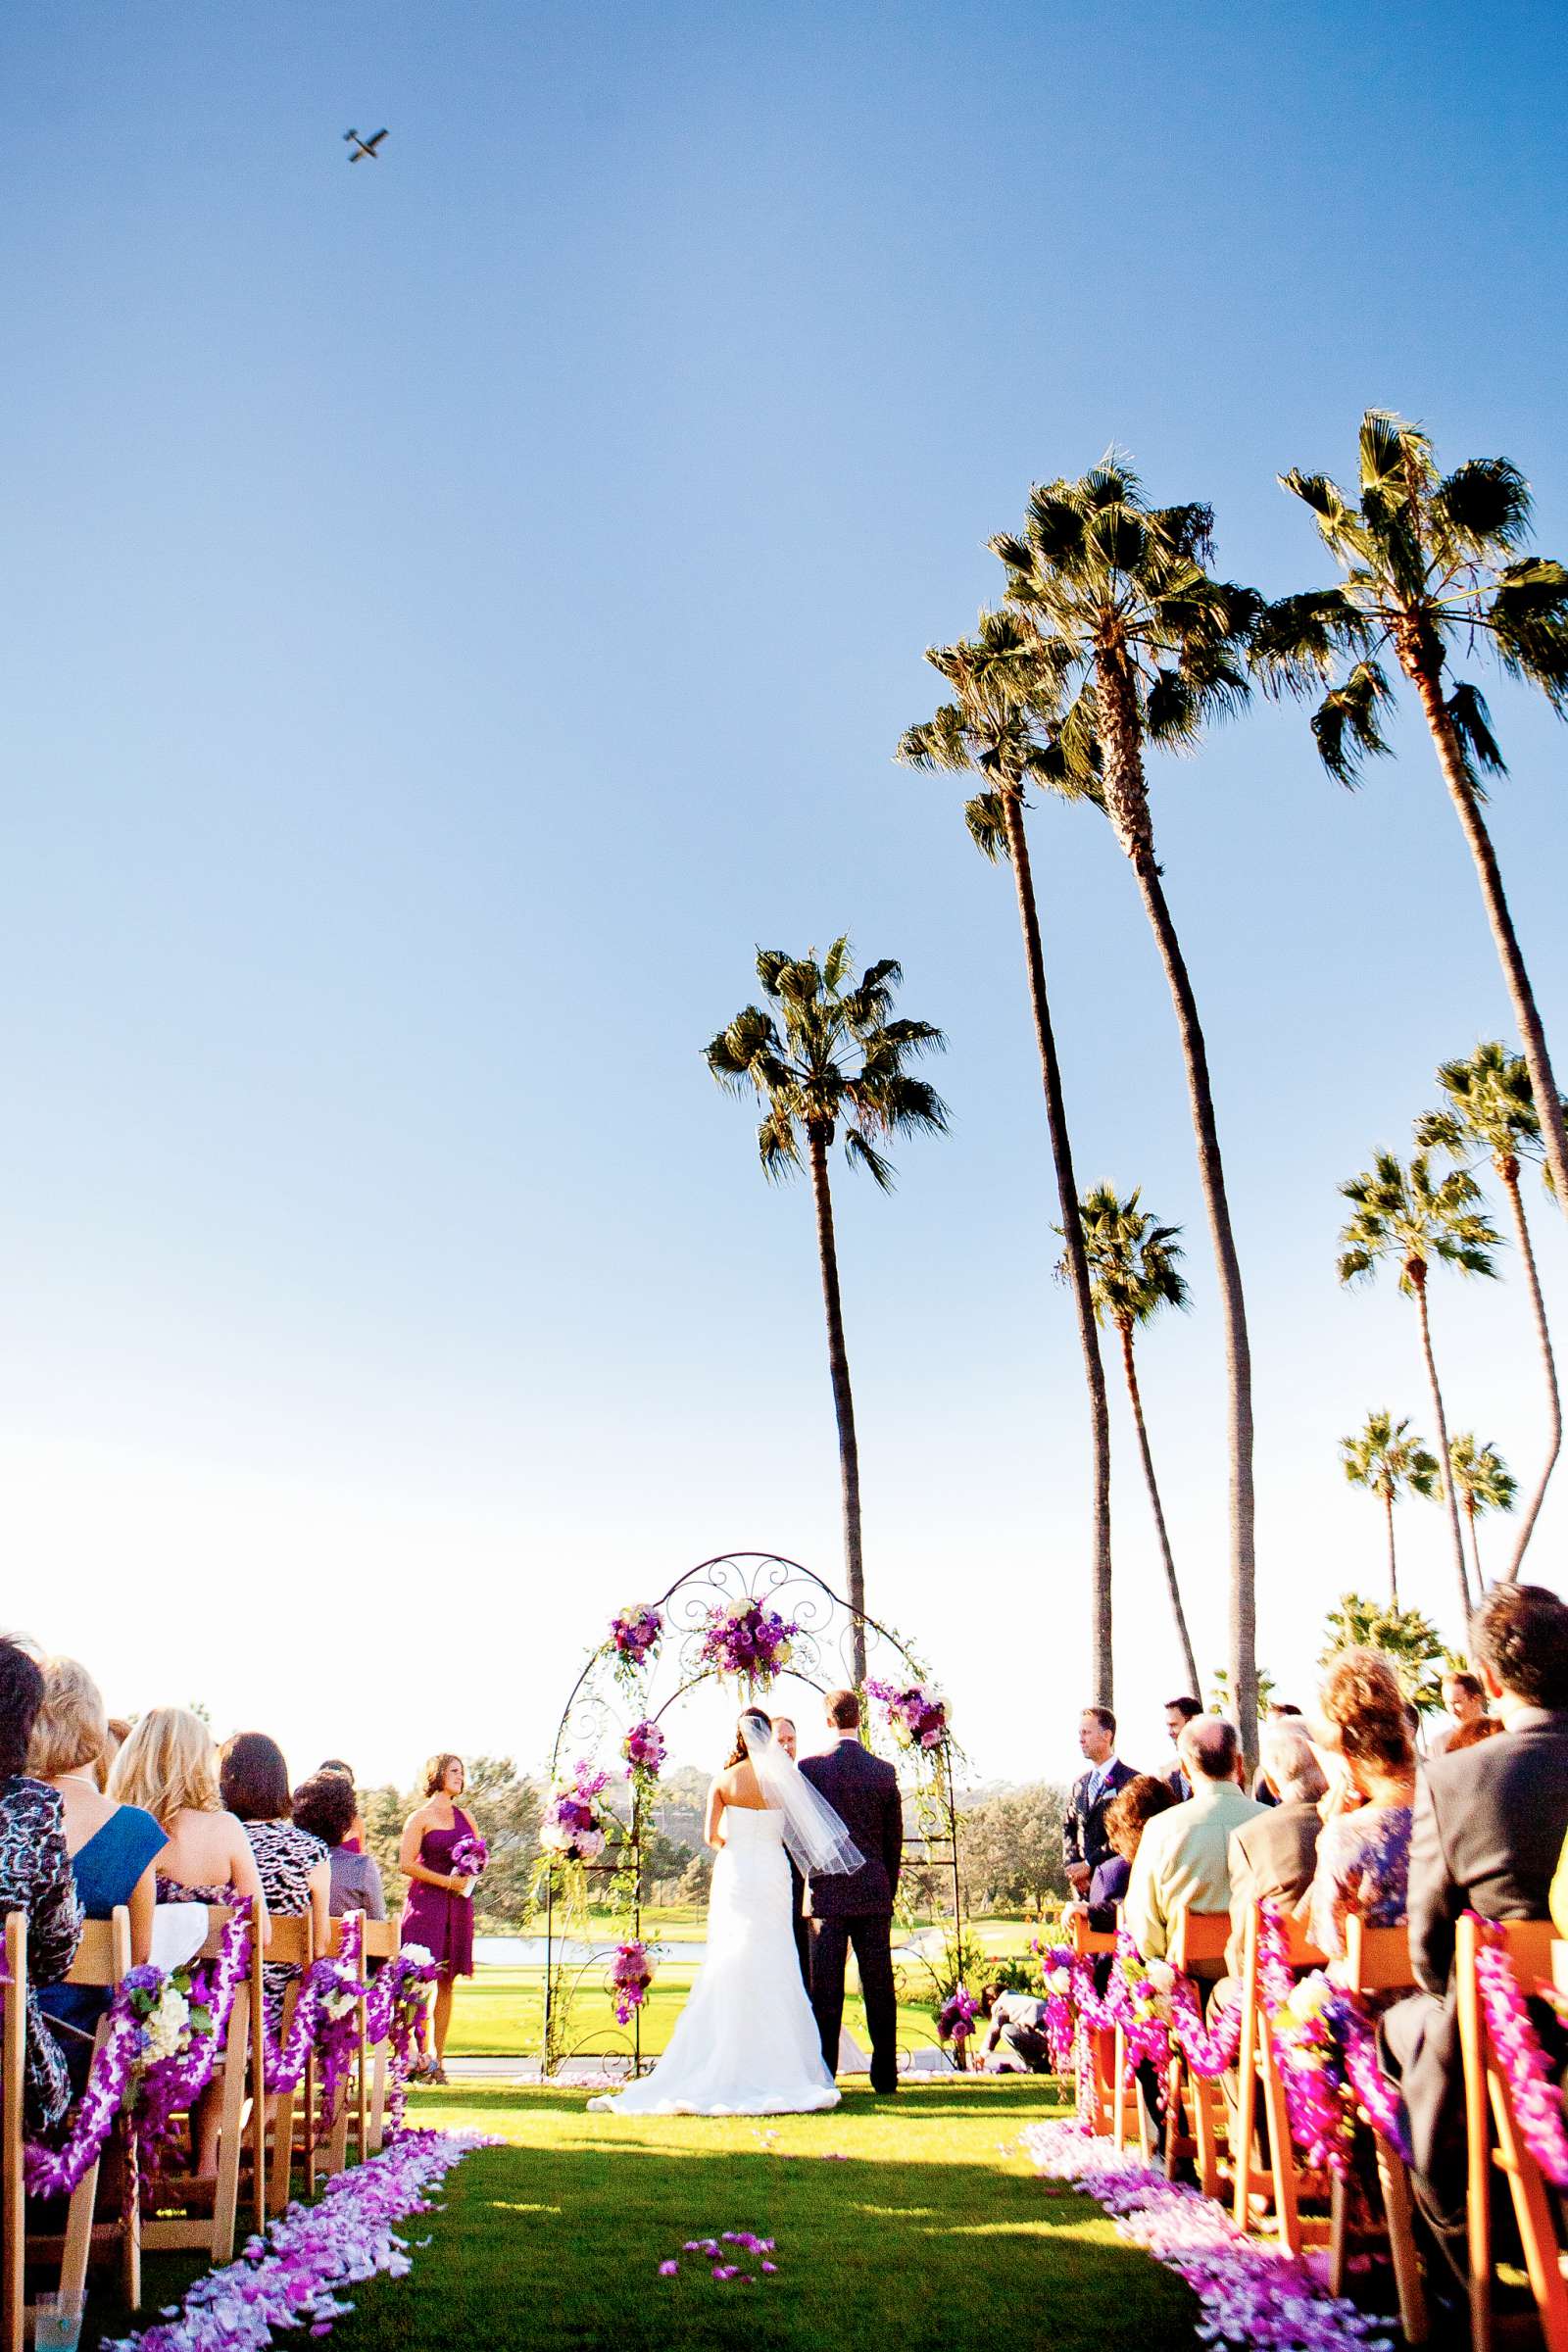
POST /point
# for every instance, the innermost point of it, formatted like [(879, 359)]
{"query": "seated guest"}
[(1272, 1857), (1016, 2043), (1184, 1855), (169, 1766), (1364, 1856), (1084, 1845), (1487, 1837), (292, 1865), (35, 1880), (116, 1733), (325, 1807), (1466, 1701), (1471, 1735), (354, 1840), (112, 1847), (1280, 1711), (1179, 1713), (1125, 1818)]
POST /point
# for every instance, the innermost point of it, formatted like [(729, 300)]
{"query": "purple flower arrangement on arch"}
[(631, 1973), (916, 1716), (635, 1632), (643, 1750), (572, 1828), (748, 1640)]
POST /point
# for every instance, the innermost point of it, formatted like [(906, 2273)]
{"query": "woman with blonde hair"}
[(439, 1910), (112, 1847), (1363, 1852)]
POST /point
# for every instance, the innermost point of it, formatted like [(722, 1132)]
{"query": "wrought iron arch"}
[(599, 1715)]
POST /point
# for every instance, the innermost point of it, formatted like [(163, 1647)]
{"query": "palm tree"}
[(1139, 646), (1491, 1109), (1432, 562), (1389, 1462), (833, 1056), (1484, 1483), (987, 732), (1398, 1215), (1134, 1270)]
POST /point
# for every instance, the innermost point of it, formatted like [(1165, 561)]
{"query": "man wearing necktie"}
[(1084, 1842)]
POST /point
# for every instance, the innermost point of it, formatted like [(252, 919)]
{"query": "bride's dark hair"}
[(742, 1753)]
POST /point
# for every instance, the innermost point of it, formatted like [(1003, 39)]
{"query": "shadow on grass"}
[(925, 2238)]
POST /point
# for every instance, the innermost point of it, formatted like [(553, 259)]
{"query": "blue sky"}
[(454, 607)]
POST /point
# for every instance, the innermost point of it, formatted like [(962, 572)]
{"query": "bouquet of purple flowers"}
[(956, 2017), (643, 1750), (468, 1857), (635, 1632), (631, 1973), (749, 1641), (919, 1718), (572, 1828)]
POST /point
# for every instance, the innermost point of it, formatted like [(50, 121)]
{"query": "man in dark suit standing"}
[(1083, 1843), (1487, 1836), (857, 1908)]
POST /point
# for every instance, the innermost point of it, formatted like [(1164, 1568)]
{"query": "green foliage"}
[(1219, 1693), (1402, 1215), (1012, 1848), (1134, 1265), (1489, 1110), (829, 1054), (1409, 1640), (1482, 1479), (1431, 563), (1388, 1461)]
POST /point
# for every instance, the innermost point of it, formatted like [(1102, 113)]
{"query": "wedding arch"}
[(751, 1619)]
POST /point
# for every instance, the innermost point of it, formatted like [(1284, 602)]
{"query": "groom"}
[(857, 1908)]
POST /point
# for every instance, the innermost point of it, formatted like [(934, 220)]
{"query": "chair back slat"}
[(293, 1939), (382, 1938), (1528, 1943), (1198, 1938), (13, 2063), (1375, 1959), (103, 1956), (1086, 1939), (1300, 1950)]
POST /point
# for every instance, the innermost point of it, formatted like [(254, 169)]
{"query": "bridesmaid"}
[(435, 1913)]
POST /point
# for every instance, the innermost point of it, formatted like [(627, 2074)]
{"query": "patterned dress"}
[(284, 1860), (1363, 1861), (36, 1877)]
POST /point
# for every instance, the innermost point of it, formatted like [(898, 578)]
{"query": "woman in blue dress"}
[(112, 1847)]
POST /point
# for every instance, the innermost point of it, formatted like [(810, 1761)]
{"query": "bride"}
[(745, 2042)]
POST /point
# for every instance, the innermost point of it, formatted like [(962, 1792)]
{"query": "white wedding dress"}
[(745, 2042)]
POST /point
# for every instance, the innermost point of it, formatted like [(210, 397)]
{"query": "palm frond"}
[(1472, 723), (1486, 505), (1344, 724), (987, 820)]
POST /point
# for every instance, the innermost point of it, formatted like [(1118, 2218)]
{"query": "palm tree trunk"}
[(1102, 1664), (1425, 675), (1233, 1306), (843, 1399), (1393, 1565), (1418, 1282), (1475, 1552), (1159, 1508), (1509, 1173)]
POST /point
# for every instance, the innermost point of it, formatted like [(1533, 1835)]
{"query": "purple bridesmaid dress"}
[(443, 1922)]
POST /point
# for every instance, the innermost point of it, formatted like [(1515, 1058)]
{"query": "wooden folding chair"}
[(12, 2066), (1529, 1944), (334, 2153), (102, 1958), (168, 2227), (1261, 2078), (294, 1942), (1377, 1960), (1109, 2089), (383, 1940), (1198, 1940)]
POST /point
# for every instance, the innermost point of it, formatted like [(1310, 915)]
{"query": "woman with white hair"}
[(1272, 1858)]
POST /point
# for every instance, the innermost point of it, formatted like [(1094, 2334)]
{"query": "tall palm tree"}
[(1134, 1267), (1431, 565), (1491, 1111), (1399, 1216), (1386, 1460), (1484, 1483), (1141, 645), (830, 1054), (986, 732)]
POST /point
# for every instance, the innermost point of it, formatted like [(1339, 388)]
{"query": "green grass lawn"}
[(932, 2236)]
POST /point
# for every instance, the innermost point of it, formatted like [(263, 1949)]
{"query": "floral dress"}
[(284, 1860), (37, 1878), (1363, 1862)]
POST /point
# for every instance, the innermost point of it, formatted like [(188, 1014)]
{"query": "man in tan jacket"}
[(1184, 1855)]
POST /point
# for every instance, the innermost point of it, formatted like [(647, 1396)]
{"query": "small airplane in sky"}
[(365, 146)]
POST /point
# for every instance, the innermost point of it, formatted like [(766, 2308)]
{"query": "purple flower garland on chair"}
[(1532, 2086)]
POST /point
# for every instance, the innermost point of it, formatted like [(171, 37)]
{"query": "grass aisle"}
[(929, 2236)]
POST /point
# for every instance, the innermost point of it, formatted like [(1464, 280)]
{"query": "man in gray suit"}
[(1487, 1837)]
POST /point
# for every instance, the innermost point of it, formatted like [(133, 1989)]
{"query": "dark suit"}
[(803, 1932), (1487, 1836), (1082, 1827), (856, 1909)]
